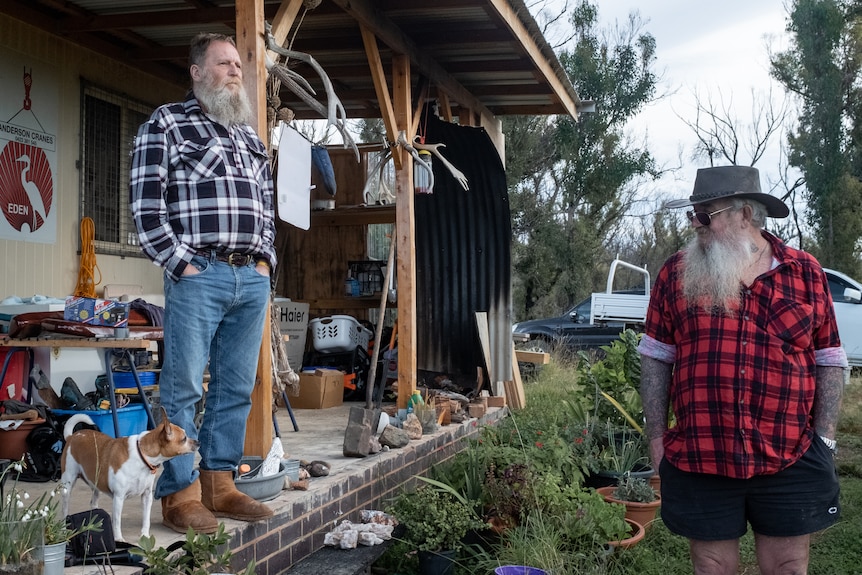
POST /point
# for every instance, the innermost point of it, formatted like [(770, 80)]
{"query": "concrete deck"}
[(302, 518)]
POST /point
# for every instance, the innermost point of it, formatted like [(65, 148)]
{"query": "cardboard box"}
[(319, 389), (96, 311), (293, 322)]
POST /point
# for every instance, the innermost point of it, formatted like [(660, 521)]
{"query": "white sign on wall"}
[(28, 148)]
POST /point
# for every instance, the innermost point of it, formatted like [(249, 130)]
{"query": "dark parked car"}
[(571, 331)]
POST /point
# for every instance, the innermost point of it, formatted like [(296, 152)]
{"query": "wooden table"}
[(121, 347)]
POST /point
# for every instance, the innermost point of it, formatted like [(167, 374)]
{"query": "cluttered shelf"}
[(129, 343), (345, 303), (354, 215)]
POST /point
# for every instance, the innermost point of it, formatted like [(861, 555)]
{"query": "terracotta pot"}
[(642, 513), (13, 443), (638, 532)]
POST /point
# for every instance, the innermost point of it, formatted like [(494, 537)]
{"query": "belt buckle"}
[(236, 259)]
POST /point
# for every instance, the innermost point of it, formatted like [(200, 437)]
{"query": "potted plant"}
[(637, 495), (436, 518), (612, 383), (624, 451), (199, 554), (58, 532), (33, 533)]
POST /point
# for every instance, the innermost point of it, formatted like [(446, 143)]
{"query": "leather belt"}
[(232, 258)]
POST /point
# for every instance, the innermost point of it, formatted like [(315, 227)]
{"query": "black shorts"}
[(799, 500)]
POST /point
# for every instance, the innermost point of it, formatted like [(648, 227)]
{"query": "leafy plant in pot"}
[(436, 518), (637, 495), (199, 554), (624, 452)]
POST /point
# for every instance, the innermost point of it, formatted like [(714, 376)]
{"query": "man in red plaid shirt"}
[(741, 342)]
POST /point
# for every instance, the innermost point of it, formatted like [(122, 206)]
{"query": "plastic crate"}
[(132, 419), (338, 333), (369, 274)]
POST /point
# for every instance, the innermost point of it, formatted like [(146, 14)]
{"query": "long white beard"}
[(227, 107), (712, 273)]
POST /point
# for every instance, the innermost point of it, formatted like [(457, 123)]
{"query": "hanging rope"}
[(86, 279)]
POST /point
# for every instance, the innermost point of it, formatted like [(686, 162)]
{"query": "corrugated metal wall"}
[(463, 256)]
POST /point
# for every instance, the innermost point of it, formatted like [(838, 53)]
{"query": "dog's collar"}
[(152, 467)]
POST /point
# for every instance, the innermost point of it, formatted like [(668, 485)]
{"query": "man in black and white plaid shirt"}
[(202, 201)]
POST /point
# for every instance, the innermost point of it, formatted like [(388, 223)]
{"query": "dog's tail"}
[(75, 420)]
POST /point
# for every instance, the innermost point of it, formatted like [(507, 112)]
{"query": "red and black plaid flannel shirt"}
[(743, 386)]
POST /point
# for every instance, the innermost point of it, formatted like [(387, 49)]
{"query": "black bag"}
[(93, 541), (44, 449), (97, 546)]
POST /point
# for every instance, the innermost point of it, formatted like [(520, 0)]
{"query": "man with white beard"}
[(741, 342), (202, 200)]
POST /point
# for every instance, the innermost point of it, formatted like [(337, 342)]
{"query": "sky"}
[(707, 47)]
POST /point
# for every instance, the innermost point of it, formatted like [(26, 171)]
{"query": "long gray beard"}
[(228, 108), (712, 274)]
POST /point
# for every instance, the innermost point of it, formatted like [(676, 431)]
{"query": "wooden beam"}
[(282, 22), (417, 112), (364, 12), (378, 77), (445, 108), (508, 15), (250, 44), (465, 116), (405, 230)]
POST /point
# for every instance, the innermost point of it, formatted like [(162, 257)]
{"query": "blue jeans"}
[(213, 317)]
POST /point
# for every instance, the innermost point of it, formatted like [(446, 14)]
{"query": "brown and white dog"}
[(120, 467)]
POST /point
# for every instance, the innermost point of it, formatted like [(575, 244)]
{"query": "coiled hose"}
[(86, 274)]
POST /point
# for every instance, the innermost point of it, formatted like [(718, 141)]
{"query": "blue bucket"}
[(519, 570)]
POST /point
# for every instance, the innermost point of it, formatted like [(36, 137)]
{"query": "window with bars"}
[(109, 124)]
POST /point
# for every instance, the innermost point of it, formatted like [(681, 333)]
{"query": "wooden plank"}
[(485, 341), (515, 388), (537, 357), (81, 342)]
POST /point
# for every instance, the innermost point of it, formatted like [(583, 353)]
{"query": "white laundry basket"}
[(338, 333)]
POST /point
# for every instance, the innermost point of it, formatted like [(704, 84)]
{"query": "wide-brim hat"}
[(731, 182)]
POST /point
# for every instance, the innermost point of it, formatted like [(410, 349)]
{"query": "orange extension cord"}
[(86, 279)]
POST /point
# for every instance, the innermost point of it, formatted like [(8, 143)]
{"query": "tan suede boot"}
[(184, 509), (220, 495)]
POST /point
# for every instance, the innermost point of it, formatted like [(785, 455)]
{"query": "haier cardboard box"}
[(293, 322), (319, 389)]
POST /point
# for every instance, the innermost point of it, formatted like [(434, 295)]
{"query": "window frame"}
[(106, 202)]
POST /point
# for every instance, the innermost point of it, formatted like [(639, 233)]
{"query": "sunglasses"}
[(704, 218)]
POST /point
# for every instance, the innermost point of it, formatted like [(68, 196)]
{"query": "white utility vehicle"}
[(847, 298)]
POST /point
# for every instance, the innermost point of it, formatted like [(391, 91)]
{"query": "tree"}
[(572, 183), (822, 68), (724, 138)]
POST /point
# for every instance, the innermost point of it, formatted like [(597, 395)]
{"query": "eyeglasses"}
[(704, 218)]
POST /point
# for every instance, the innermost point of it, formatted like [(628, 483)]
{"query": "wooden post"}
[(251, 48), (405, 231)]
